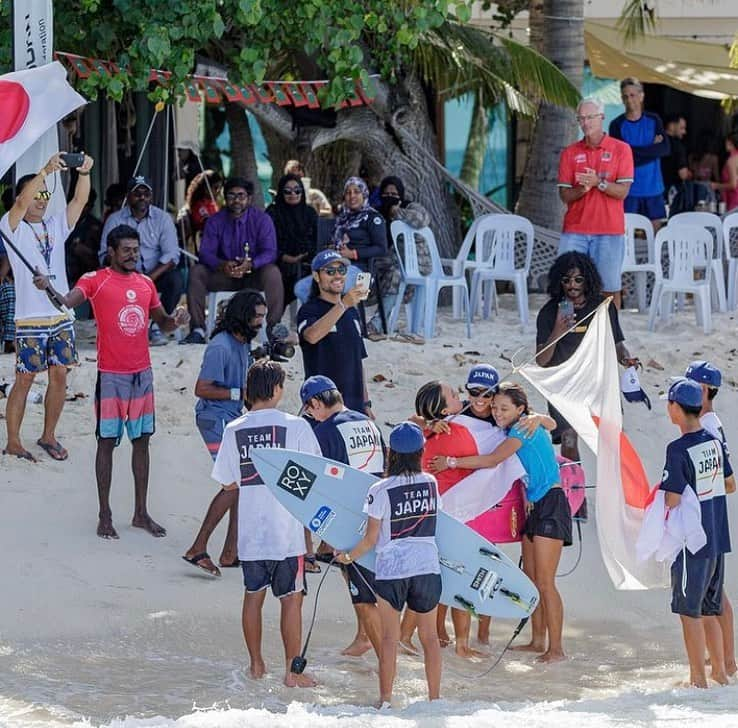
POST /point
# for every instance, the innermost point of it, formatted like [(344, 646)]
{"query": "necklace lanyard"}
[(45, 245)]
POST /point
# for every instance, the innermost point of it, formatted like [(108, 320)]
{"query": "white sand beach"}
[(124, 633)]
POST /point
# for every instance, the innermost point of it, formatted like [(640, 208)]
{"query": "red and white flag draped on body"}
[(585, 389), (32, 101), (467, 494)]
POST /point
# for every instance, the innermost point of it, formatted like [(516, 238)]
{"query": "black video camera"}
[(276, 349)]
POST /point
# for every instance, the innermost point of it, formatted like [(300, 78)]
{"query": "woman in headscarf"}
[(296, 224)]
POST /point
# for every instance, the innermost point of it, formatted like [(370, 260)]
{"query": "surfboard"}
[(328, 498)]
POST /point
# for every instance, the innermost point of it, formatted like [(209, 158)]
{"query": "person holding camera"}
[(220, 392), (330, 332), (44, 336)]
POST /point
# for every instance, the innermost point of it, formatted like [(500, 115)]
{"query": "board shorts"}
[(550, 517), (651, 207), (420, 593), (211, 430), (704, 588), (125, 401), (41, 343), (361, 583), (286, 577)]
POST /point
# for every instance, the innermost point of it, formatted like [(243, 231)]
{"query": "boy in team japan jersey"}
[(271, 543), (699, 461), (123, 301)]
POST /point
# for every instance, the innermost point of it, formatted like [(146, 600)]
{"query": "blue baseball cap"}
[(326, 257), (704, 373), (315, 385), (406, 437), (483, 375), (685, 392)]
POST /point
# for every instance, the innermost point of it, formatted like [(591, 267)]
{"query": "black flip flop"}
[(197, 558)]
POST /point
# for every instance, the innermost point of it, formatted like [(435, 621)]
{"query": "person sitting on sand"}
[(220, 391), (407, 566), (548, 522), (699, 461), (122, 301), (271, 543)]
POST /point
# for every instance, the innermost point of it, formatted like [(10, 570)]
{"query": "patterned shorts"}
[(41, 343), (124, 401)]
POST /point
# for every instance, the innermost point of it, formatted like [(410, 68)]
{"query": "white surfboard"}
[(328, 497)]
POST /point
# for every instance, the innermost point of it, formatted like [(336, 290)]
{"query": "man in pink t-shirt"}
[(123, 300)]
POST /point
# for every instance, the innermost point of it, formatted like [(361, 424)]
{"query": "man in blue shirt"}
[(645, 134), (698, 461), (220, 389), (349, 437), (159, 248)]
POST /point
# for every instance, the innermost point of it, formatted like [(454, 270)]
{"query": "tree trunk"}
[(557, 31), (243, 158), (476, 145)]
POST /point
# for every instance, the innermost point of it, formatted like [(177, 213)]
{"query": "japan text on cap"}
[(326, 257), (483, 375)]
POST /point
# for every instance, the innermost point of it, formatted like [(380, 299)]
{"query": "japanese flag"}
[(32, 102)]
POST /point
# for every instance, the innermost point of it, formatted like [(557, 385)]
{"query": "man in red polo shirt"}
[(595, 175)]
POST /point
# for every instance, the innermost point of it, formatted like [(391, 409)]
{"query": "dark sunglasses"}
[(336, 270), (480, 392), (573, 279), (292, 190), (42, 195)]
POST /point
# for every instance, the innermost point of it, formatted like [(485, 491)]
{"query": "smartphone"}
[(73, 159), (364, 281), (566, 307)]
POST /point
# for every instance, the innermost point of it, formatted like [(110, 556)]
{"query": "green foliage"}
[(253, 39)]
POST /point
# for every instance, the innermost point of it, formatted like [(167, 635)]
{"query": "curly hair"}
[(239, 312), (563, 264)]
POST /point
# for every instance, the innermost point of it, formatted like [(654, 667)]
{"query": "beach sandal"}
[(57, 452), (311, 567), (198, 558), (25, 455), (233, 565)]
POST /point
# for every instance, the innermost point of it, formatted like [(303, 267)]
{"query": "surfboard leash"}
[(299, 663)]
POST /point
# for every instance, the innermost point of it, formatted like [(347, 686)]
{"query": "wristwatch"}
[(602, 186), (451, 462), (235, 394), (348, 558)]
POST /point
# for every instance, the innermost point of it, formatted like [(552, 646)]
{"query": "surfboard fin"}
[(517, 599), (491, 554), (466, 604)]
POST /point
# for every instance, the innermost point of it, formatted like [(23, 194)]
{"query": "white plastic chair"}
[(495, 261), (689, 249), (427, 286), (458, 265), (730, 225), (715, 225), (633, 223)]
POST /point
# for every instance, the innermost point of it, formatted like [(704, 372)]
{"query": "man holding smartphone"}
[(44, 336), (595, 175), (330, 331)]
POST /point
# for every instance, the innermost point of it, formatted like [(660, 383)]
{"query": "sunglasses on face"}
[(480, 392), (292, 190), (42, 195), (336, 270), (573, 279), (236, 196)]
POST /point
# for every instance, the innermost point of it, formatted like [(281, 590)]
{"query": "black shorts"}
[(550, 517), (420, 593), (704, 587), (361, 583), (286, 577)]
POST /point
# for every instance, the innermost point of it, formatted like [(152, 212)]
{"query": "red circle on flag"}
[(334, 470), (15, 103)]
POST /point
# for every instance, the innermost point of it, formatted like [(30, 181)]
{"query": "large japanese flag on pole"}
[(585, 389), (32, 102)]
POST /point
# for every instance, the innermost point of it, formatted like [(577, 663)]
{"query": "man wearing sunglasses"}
[(595, 175), (159, 248), (238, 250), (44, 337), (330, 332)]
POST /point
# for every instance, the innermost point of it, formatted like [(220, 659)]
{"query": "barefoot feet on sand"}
[(530, 647), (292, 680), (149, 524), (105, 529), (469, 652), (257, 670), (357, 648), (550, 656)]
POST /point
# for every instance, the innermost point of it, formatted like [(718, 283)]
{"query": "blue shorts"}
[(286, 577), (420, 593), (125, 401), (704, 591), (606, 251), (41, 344), (361, 583), (651, 207), (211, 430)]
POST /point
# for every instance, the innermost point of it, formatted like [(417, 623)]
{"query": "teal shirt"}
[(539, 460)]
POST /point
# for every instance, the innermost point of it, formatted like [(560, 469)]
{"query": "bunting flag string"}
[(215, 90)]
